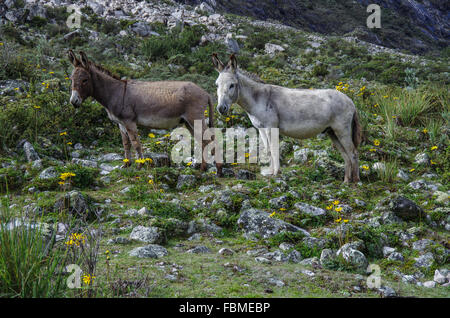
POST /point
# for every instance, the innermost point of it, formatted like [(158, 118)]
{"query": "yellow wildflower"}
[(345, 221), (88, 279), (376, 142), (412, 170), (126, 160), (329, 207), (336, 202), (189, 163), (272, 215), (282, 209), (434, 147), (425, 130), (151, 135), (63, 133), (150, 181), (365, 167), (338, 220), (339, 209)]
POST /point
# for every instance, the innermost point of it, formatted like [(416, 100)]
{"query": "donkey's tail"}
[(356, 130), (211, 112)]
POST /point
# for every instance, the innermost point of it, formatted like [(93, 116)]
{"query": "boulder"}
[(147, 234), (406, 209), (149, 251), (257, 222)]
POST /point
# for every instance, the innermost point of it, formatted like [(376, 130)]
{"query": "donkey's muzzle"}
[(76, 99), (222, 109)]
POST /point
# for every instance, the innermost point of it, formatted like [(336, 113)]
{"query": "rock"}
[(286, 246), (245, 175), (441, 276), (11, 87), (422, 159), (353, 256), (276, 256), (203, 225), (441, 197), (185, 181), (147, 234), (205, 7), (423, 184), (96, 7), (388, 251), (30, 153), (143, 211), (276, 282), (110, 157), (421, 245), (312, 261), (232, 44), (279, 203), (76, 204), (49, 173), (262, 260), (37, 164), (301, 155), (119, 240), (199, 250), (294, 256), (149, 251), (226, 252), (71, 35), (424, 261), (195, 237), (309, 209), (429, 284), (141, 28), (314, 242), (387, 292), (390, 218), (327, 257), (272, 49), (257, 222), (85, 163), (131, 212), (406, 209), (402, 175), (395, 256)]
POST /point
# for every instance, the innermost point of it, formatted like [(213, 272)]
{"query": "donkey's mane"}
[(103, 70), (252, 76)]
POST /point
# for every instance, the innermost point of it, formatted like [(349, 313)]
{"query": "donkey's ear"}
[(84, 60), (232, 64), (217, 63), (73, 59)]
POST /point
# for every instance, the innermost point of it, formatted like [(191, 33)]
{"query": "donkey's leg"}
[(126, 145), (351, 164), (265, 141), (133, 134), (343, 153), (190, 126), (274, 153)]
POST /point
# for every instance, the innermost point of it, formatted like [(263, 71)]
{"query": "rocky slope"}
[(170, 230), (416, 26)]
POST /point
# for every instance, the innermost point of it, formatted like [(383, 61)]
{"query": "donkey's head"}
[(227, 83), (82, 84)]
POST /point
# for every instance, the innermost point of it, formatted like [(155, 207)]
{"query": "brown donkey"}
[(159, 105)]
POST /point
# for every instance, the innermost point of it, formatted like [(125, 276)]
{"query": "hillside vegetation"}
[(177, 232)]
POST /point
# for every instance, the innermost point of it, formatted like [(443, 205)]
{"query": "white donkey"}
[(298, 113)]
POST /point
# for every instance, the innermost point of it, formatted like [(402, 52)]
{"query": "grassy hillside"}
[(403, 103)]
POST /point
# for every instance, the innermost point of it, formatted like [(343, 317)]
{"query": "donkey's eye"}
[(85, 81), (231, 86)]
